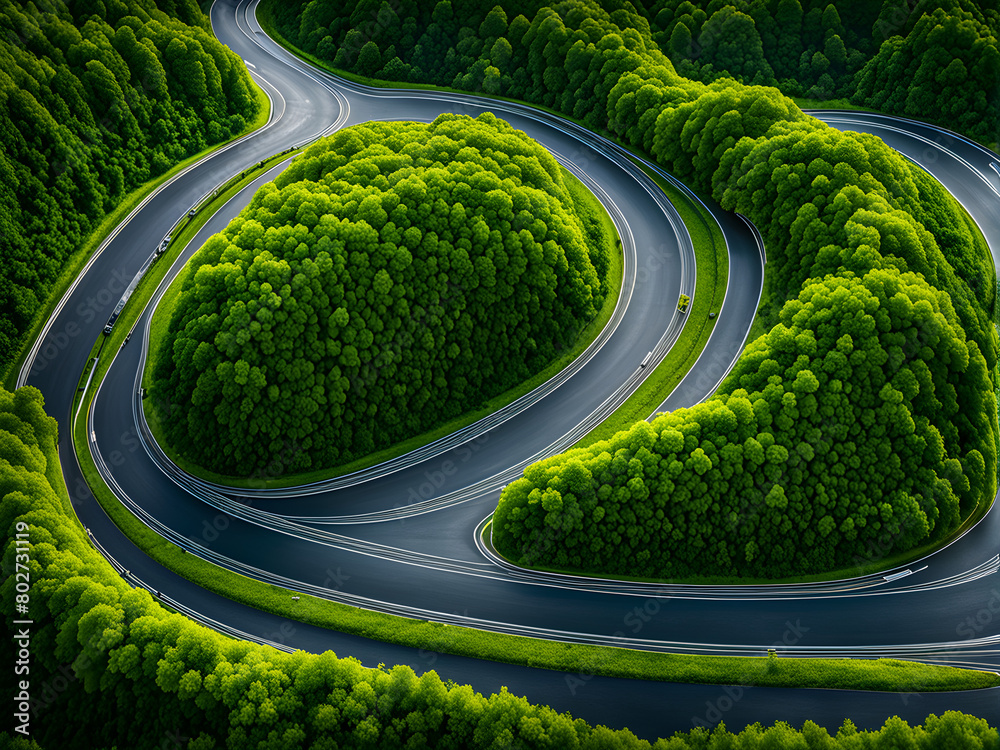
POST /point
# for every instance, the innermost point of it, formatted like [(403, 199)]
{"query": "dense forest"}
[(96, 99), (394, 276), (875, 381), (936, 61), (835, 435), (123, 671), (881, 302), (828, 204)]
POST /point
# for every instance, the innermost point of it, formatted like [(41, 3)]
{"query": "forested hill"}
[(393, 277), (937, 61), (95, 99)]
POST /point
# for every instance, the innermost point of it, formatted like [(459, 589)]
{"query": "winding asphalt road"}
[(406, 540)]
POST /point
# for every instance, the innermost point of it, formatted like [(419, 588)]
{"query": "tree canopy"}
[(851, 231), (935, 61), (837, 434), (395, 275), (945, 69)]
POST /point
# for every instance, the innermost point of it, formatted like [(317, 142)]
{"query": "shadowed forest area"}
[(95, 100)]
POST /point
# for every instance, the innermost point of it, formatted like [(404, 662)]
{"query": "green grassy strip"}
[(803, 103), (165, 307), (712, 262), (586, 204), (580, 661), (76, 262)]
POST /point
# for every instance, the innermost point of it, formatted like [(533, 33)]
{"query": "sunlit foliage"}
[(393, 277), (114, 668), (875, 418)]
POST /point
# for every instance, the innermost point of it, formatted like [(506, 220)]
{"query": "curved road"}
[(406, 541)]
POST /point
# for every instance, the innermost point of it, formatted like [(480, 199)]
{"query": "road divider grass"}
[(712, 262)]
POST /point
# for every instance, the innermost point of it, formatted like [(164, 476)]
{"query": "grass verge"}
[(712, 262), (601, 231), (76, 262), (804, 103)]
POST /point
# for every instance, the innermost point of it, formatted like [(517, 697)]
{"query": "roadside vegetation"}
[(768, 480), (96, 102), (938, 62), (591, 213)]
